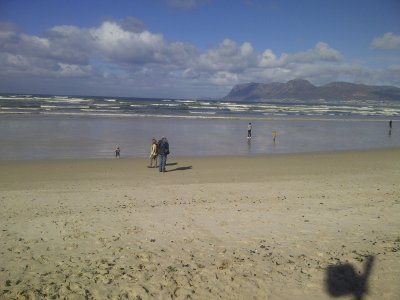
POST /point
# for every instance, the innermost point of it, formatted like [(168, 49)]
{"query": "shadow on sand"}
[(344, 280), (181, 169), (177, 168)]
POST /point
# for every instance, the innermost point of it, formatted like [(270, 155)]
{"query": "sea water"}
[(53, 127)]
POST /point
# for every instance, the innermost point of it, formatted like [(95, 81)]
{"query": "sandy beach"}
[(309, 226)]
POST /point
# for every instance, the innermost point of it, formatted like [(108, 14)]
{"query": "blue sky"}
[(193, 48)]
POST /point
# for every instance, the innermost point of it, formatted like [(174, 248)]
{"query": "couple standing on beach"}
[(160, 149)]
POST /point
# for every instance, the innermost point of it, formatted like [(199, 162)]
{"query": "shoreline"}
[(198, 157), (270, 227)]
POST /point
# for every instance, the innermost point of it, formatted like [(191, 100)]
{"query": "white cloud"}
[(74, 70), (228, 56), (41, 56), (388, 76), (246, 50), (10, 62), (389, 41), (223, 78), (115, 44), (320, 53), (326, 53), (267, 59)]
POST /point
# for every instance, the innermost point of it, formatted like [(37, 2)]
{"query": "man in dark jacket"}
[(163, 151)]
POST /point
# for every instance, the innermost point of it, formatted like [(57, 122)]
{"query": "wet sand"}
[(312, 226)]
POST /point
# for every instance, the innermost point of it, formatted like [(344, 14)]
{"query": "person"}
[(390, 124), (274, 134), (163, 151), (166, 156), (153, 153), (117, 152), (249, 131)]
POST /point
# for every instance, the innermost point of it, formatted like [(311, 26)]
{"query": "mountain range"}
[(300, 89)]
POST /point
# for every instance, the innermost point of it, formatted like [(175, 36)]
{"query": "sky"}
[(193, 48)]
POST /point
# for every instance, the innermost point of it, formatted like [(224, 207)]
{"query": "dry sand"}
[(312, 226)]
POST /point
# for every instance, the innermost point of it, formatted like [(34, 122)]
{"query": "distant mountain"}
[(300, 89)]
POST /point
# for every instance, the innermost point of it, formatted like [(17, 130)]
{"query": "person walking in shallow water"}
[(249, 127), (153, 153), (163, 151), (117, 152)]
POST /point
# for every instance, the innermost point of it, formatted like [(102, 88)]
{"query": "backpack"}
[(162, 147), (166, 148)]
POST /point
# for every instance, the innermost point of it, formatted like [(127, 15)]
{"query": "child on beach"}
[(117, 152)]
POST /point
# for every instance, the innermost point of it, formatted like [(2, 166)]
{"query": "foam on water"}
[(182, 108)]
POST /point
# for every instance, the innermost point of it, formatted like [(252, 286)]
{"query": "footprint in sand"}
[(19, 249)]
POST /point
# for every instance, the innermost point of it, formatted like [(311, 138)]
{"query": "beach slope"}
[(311, 226)]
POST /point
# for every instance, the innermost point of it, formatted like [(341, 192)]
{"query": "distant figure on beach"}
[(249, 127), (274, 135), (163, 151), (153, 153), (117, 152), (390, 124)]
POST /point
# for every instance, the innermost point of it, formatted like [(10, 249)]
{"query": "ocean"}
[(68, 127)]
